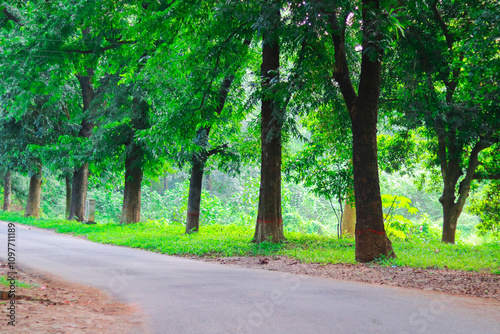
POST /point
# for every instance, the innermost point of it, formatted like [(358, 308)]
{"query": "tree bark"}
[(67, 178), (269, 225), (79, 193), (7, 191), (451, 172), (81, 174), (348, 220), (194, 200), (131, 209), (198, 162), (34, 195), (371, 239)]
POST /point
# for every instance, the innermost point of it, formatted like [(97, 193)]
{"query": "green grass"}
[(230, 240), (6, 283)]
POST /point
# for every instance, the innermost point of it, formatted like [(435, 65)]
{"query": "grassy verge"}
[(230, 240), (6, 283)]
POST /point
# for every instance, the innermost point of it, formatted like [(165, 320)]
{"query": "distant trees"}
[(23, 136)]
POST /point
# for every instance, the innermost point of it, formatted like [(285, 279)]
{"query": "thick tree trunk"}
[(79, 193), (34, 196), (131, 209), (7, 191), (269, 225), (348, 220), (67, 178), (81, 174), (371, 239), (194, 200), (450, 218)]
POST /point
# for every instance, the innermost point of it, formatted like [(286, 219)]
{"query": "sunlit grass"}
[(21, 284), (230, 240)]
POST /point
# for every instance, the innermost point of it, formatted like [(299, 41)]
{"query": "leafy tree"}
[(70, 39), (269, 226), (37, 126), (121, 111), (371, 239), (324, 163), (448, 62), (200, 64)]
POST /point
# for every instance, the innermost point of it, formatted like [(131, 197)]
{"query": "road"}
[(186, 296)]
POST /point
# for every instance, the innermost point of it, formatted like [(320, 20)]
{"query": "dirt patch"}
[(53, 306), (443, 280)]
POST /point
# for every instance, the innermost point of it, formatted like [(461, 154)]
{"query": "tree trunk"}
[(7, 191), (450, 219), (371, 239), (348, 220), (269, 226), (131, 209), (79, 193), (68, 195), (34, 195), (209, 183), (81, 174), (451, 172), (194, 200)]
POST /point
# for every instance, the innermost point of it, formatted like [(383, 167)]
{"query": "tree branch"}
[(217, 150), (12, 17), (464, 186), (109, 47), (341, 73), (442, 24)]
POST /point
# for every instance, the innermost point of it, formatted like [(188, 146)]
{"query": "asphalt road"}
[(186, 296)]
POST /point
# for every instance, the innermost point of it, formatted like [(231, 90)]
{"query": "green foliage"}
[(398, 152), (487, 207), (396, 225), (21, 284)]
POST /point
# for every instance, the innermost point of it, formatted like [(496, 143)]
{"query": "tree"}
[(200, 63), (81, 173), (371, 239), (120, 113), (449, 85), (269, 226), (22, 136), (69, 40)]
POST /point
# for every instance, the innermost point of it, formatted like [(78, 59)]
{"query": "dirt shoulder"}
[(54, 306), (472, 284)]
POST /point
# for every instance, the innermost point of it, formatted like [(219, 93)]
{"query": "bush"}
[(487, 207)]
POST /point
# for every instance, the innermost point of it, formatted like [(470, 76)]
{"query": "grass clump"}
[(21, 284)]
